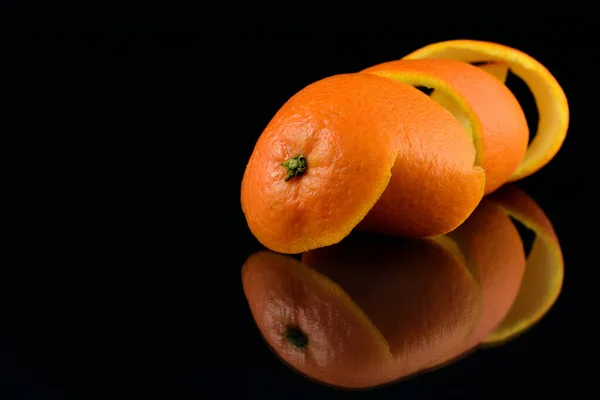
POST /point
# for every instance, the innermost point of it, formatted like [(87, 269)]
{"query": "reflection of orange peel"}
[(544, 272), (371, 310), (550, 98)]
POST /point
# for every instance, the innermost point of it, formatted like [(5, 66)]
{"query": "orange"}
[(328, 155), (553, 108), (544, 271), (369, 151)]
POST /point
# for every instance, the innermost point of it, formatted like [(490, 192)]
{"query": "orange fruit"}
[(368, 150), (494, 253), (551, 101), (544, 271), (367, 311), (492, 114), (357, 144)]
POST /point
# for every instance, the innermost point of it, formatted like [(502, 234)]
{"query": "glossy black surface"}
[(126, 149)]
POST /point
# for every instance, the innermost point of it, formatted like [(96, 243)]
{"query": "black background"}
[(125, 148)]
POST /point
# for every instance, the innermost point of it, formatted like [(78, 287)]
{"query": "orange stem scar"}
[(295, 167)]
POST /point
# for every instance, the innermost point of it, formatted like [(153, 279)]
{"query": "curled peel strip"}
[(499, 71), (486, 108), (550, 98)]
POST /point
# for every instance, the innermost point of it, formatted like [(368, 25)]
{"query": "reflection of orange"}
[(350, 130), (312, 324), (491, 113), (494, 252), (544, 271), (417, 293), (516, 290), (374, 309)]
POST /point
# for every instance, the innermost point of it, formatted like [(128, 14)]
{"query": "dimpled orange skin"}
[(551, 101), (344, 348), (494, 252), (352, 129), (497, 120)]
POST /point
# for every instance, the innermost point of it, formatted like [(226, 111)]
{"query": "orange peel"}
[(486, 108), (549, 96)]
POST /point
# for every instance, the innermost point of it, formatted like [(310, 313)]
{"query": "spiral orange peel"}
[(367, 150), (553, 108)]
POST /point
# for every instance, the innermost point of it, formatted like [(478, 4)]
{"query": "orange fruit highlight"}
[(549, 96), (544, 271), (492, 114), (328, 155)]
